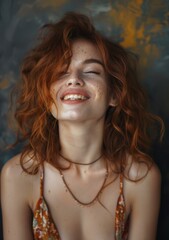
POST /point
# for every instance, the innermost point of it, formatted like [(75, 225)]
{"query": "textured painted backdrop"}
[(139, 25)]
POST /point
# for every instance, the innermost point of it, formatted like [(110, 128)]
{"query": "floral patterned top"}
[(45, 229)]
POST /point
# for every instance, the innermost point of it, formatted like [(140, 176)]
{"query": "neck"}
[(81, 143)]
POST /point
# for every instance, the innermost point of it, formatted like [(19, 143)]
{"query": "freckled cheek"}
[(101, 90)]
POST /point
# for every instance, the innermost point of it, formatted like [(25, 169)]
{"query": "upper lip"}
[(75, 91)]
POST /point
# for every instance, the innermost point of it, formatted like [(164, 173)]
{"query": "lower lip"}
[(74, 101)]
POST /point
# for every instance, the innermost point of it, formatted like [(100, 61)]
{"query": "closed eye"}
[(93, 72)]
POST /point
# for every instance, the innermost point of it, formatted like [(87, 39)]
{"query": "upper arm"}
[(16, 213), (145, 206)]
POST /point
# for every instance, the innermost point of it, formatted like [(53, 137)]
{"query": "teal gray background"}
[(139, 25)]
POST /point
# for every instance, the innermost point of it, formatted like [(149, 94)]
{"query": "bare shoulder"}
[(145, 171), (16, 200), (12, 167), (14, 177), (144, 180), (143, 196)]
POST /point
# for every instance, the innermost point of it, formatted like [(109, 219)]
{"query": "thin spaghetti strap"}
[(120, 212), (41, 180), (121, 184)]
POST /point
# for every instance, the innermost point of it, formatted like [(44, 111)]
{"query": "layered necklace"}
[(88, 204)]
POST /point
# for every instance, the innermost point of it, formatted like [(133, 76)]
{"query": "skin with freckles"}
[(88, 77)]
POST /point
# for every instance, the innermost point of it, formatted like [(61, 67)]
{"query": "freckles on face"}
[(86, 72), (101, 89), (79, 51)]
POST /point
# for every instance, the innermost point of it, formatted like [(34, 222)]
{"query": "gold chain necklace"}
[(97, 195)]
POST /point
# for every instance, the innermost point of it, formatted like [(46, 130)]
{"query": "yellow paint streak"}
[(139, 2), (129, 35), (134, 35), (130, 30), (126, 16)]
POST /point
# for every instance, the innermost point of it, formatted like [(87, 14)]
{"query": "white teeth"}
[(74, 97)]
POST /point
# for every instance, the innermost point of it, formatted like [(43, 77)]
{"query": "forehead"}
[(84, 49)]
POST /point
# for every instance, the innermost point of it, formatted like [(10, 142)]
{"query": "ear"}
[(113, 102)]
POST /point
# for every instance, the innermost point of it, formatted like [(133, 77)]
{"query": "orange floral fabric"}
[(43, 226)]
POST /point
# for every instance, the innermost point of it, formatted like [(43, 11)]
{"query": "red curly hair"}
[(126, 125)]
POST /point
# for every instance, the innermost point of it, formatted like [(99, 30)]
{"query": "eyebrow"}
[(93, 60)]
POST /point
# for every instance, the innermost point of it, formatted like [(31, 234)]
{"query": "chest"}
[(75, 221)]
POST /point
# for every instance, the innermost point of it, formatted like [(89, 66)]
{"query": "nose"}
[(75, 81)]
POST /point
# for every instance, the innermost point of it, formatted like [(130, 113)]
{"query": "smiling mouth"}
[(74, 97)]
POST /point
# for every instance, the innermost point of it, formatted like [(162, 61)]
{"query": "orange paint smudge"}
[(139, 2), (4, 83), (134, 34)]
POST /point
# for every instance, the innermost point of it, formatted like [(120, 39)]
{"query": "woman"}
[(84, 172)]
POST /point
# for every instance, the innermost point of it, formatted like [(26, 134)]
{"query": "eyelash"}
[(87, 72), (94, 72)]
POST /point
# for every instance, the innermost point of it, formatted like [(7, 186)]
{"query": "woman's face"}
[(81, 93)]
